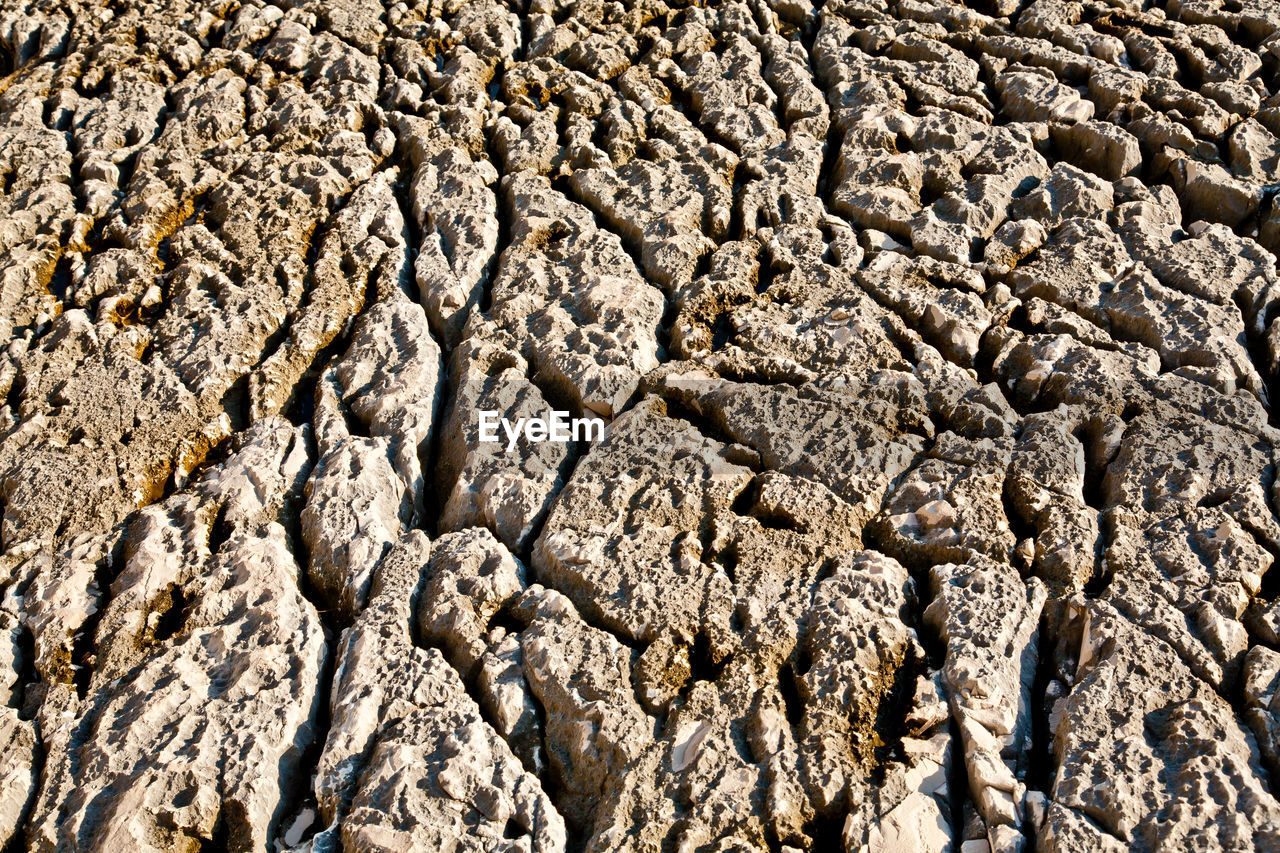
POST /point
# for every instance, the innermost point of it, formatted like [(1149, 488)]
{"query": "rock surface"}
[(934, 350)]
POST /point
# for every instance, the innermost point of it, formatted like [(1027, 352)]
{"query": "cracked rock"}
[(929, 501)]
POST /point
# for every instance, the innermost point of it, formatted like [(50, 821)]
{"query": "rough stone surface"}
[(410, 762), (934, 349)]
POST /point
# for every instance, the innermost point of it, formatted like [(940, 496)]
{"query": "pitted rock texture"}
[(937, 346)]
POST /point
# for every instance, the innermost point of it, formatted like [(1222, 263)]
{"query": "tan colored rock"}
[(468, 580), (674, 205), (409, 760), (1261, 682), (20, 778), (641, 573), (483, 483), (1104, 149), (1210, 192), (581, 314), (369, 235), (391, 379), (1067, 193), (355, 509), (1047, 477), (1031, 96), (581, 677), (1096, 277), (856, 643), (192, 727), (456, 211), (991, 658), (949, 506), (1107, 728), (865, 293)]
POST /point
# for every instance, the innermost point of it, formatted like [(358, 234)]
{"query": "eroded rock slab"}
[(934, 349)]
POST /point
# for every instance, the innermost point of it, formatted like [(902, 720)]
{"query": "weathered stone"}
[(991, 639), (409, 760), (858, 647), (391, 380), (1032, 96), (192, 727), (1136, 708), (949, 505), (468, 580), (1210, 192), (581, 677), (1102, 148), (642, 573), (864, 295), (364, 249), (1087, 269), (1048, 473), (1067, 193), (485, 484), (456, 212), (20, 778), (581, 314), (1254, 152), (1261, 684), (673, 207), (355, 509), (949, 317)]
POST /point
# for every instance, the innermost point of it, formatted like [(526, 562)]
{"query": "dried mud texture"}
[(938, 346)]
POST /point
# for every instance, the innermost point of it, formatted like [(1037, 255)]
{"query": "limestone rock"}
[(1104, 149), (409, 759), (642, 573), (580, 675), (582, 316), (228, 720), (508, 491), (20, 774), (353, 514), (453, 203), (1030, 96), (990, 666), (363, 249), (930, 498), (857, 645), (1108, 727), (468, 580), (1261, 672)]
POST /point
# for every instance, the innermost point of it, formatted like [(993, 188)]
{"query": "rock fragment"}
[(176, 679), (1137, 707), (581, 314), (409, 759), (990, 666)]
